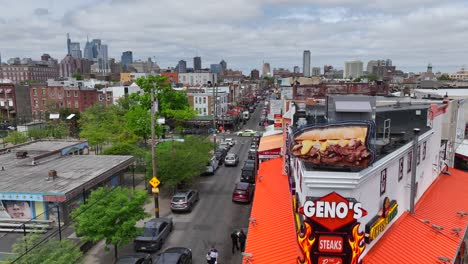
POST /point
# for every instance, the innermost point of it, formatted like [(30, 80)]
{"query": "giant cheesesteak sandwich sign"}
[(335, 145)]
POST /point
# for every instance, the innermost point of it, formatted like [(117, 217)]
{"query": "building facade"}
[(316, 71), (200, 78), (127, 58), (306, 63), (254, 74), (266, 71), (202, 102), (22, 73), (182, 66), (353, 69), (197, 64), (223, 65)]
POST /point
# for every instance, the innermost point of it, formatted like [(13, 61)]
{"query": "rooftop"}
[(19, 175), (415, 237)]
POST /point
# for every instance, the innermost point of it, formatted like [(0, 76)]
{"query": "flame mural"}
[(356, 242), (306, 241)]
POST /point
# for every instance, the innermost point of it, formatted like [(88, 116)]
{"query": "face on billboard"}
[(335, 145), (18, 209)]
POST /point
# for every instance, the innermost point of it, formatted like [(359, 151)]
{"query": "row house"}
[(21, 73), (202, 102), (14, 102), (47, 98)]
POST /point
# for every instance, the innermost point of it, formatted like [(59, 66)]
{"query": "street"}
[(214, 217)]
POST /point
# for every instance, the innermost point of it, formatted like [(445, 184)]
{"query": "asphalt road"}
[(213, 218)]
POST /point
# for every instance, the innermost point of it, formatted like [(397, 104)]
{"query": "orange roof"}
[(417, 241), (270, 142), (272, 237)]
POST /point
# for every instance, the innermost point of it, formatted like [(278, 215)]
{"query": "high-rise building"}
[(67, 66), (306, 63), (75, 50), (68, 44), (216, 68), (88, 50), (96, 46), (127, 58), (223, 65), (266, 69), (316, 71), (103, 59), (353, 69), (296, 69), (255, 74), (197, 65), (182, 66)]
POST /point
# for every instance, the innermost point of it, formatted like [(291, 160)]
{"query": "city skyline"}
[(411, 33)]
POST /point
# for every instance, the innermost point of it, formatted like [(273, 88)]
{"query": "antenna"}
[(437, 227)]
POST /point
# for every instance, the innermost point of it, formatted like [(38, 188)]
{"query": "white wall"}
[(199, 78)]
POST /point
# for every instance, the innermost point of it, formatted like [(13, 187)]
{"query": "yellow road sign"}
[(154, 182)]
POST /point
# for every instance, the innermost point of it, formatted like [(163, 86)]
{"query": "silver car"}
[(154, 234), (184, 201), (231, 159)]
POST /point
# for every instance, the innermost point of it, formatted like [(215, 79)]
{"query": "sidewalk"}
[(98, 254)]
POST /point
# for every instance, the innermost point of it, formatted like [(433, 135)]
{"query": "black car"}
[(249, 173), (220, 154), (175, 255), (135, 259), (154, 234)]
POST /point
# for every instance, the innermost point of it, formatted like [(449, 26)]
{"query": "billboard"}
[(339, 145), (330, 231)]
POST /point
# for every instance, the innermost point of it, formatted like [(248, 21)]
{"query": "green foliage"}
[(126, 148), (38, 133), (138, 121), (16, 137), (77, 76), (101, 125), (52, 251), (182, 163), (358, 79), (57, 129), (111, 214), (444, 77)]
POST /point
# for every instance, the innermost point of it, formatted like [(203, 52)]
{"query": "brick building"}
[(35, 72), (47, 98), (14, 102)]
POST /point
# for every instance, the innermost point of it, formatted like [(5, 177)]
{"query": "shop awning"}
[(271, 237), (270, 142), (428, 235)]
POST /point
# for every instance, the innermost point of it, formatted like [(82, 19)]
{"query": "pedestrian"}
[(235, 241), (213, 254), (242, 239)]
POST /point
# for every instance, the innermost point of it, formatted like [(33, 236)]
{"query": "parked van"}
[(249, 172)]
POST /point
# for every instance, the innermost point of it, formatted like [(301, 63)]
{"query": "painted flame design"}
[(357, 244), (306, 241)]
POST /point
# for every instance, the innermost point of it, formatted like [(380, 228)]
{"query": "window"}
[(400, 170), (34, 91), (419, 155), (424, 150), (36, 103), (383, 181), (44, 102), (76, 104), (100, 97), (43, 91), (76, 93), (68, 93), (204, 99), (408, 170)]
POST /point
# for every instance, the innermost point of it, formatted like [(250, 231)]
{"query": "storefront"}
[(270, 147)]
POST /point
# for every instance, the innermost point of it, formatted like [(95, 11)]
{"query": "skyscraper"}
[(296, 69), (223, 65), (103, 59), (88, 50), (127, 58), (197, 66), (316, 71), (216, 68), (353, 69), (306, 63), (75, 50), (182, 66), (68, 44), (266, 69)]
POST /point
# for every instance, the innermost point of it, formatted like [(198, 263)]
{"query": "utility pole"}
[(153, 156), (214, 115)]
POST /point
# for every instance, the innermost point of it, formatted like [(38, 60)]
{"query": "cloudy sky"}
[(245, 32)]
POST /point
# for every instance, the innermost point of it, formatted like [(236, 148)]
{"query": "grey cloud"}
[(41, 11)]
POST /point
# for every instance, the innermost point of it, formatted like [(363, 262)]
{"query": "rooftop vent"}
[(21, 154)]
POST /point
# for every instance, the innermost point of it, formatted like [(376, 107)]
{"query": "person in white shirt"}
[(213, 255)]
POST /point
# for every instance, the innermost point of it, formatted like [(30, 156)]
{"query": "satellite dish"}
[(54, 116), (70, 116)]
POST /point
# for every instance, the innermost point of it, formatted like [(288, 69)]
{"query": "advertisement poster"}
[(16, 209), (340, 145), (278, 125), (330, 232)]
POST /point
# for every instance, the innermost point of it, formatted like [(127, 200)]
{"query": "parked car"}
[(243, 192), (184, 201), (175, 255), (230, 141), (249, 172), (225, 145), (211, 166), (231, 159), (220, 154), (135, 259), (155, 232), (246, 133)]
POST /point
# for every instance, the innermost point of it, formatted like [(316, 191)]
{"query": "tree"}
[(179, 162), (52, 251), (444, 77), (16, 137), (111, 214), (77, 76), (138, 121)]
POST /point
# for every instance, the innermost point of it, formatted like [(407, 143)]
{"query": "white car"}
[(246, 133), (230, 141)]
